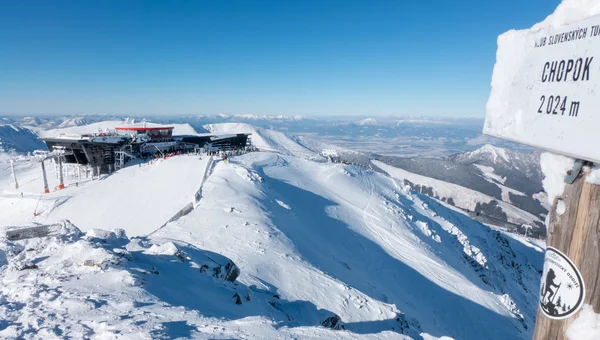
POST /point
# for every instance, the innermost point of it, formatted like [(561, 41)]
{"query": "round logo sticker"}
[(562, 289)]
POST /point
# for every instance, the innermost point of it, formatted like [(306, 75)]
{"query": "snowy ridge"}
[(528, 161), (502, 175), (70, 122), (264, 139), (488, 151), (179, 129), (457, 195)]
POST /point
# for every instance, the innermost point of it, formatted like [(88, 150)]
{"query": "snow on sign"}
[(544, 89), (562, 289)]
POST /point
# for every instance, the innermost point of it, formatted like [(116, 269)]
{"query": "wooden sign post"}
[(575, 233), (544, 95)]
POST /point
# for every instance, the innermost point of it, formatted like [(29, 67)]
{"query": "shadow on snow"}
[(332, 246)]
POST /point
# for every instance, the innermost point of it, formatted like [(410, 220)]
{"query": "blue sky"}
[(311, 57)]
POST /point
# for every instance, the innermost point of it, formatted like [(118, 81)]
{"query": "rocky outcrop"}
[(333, 322)]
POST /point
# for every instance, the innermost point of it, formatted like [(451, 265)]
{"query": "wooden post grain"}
[(575, 233)]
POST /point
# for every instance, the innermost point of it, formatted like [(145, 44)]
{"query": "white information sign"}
[(544, 91)]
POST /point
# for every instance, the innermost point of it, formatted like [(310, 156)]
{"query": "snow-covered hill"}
[(461, 197), (18, 139), (505, 164), (265, 139), (319, 245), (506, 185), (179, 129)]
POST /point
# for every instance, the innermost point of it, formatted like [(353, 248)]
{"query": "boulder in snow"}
[(333, 322), (231, 271)]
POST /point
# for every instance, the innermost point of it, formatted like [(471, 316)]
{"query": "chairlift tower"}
[(12, 167), (54, 157)]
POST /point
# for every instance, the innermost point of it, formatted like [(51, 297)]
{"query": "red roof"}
[(140, 128)]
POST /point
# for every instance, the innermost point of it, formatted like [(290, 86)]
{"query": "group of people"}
[(225, 154)]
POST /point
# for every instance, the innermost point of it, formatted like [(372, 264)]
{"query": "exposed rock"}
[(203, 268), (333, 322), (237, 298), (408, 326), (180, 255), (217, 272), (232, 271)]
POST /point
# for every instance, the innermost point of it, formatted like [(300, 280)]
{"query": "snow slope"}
[(497, 174), (18, 139), (140, 197), (462, 197), (179, 129), (352, 242), (317, 244), (265, 139)]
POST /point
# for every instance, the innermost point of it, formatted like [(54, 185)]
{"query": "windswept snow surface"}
[(179, 129)]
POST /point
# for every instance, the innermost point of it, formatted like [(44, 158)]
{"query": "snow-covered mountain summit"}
[(488, 153), (527, 162), (324, 250), (366, 122)]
